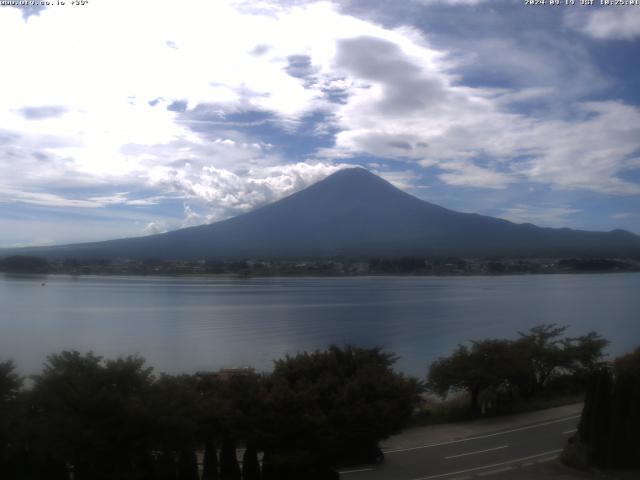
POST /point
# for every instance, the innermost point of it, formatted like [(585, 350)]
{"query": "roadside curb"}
[(419, 437)]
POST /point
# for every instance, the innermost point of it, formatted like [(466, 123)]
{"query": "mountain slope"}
[(357, 214)]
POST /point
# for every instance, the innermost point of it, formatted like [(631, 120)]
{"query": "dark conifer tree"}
[(166, 466), (633, 422), (624, 446), (188, 465), (619, 447), (250, 464), (611, 418), (229, 467), (600, 420), (268, 470), (145, 467), (588, 412), (210, 462)]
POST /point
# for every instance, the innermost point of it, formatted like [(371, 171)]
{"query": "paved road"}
[(473, 457)]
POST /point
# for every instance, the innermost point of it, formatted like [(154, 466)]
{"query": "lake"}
[(188, 324)]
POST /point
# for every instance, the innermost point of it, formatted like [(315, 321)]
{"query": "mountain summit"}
[(356, 214)]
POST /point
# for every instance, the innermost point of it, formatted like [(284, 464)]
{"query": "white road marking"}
[(477, 451), (490, 466), (543, 460), (529, 427), (494, 472), (345, 472), (568, 432)]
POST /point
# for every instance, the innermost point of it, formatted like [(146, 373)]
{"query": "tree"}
[(210, 461), (585, 352), (250, 464), (334, 406), (188, 465), (487, 365), (625, 423), (24, 264), (269, 471), (10, 382), (174, 410), (229, 467), (550, 356), (511, 369), (595, 427), (10, 389), (610, 419), (166, 467), (542, 346), (584, 355), (93, 414)]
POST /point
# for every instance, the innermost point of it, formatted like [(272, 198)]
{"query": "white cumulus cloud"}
[(621, 23), (171, 102)]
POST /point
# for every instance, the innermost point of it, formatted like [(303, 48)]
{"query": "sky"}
[(120, 118)]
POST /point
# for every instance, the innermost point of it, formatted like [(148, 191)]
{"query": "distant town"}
[(326, 267)]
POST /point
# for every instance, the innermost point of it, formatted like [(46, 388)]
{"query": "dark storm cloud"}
[(43, 112), (408, 88)]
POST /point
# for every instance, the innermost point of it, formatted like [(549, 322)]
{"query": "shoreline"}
[(310, 275)]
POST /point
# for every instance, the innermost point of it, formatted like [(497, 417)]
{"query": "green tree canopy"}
[(10, 388), (323, 407), (488, 364), (519, 368), (93, 414), (10, 382)]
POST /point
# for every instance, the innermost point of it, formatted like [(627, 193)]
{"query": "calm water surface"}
[(189, 324)]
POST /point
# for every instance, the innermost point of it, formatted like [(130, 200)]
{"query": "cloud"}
[(8, 195), (225, 193), (590, 153), (450, 2), (40, 113), (123, 198), (28, 10), (169, 126), (226, 106), (177, 106), (155, 227), (607, 23), (467, 174), (403, 179), (542, 215), (409, 107), (299, 66), (399, 86)]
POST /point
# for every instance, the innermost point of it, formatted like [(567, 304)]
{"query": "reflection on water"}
[(187, 324)]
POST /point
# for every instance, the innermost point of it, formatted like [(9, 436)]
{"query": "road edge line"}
[(551, 452), (479, 437)]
